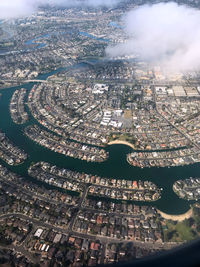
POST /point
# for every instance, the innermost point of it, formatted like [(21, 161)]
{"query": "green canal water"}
[(116, 166)]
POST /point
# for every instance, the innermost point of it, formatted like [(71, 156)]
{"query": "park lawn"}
[(178, 232), (185, 232)]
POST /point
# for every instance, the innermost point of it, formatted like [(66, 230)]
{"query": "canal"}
[(115, 167)]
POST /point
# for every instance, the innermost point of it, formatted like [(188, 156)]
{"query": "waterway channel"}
[(116, 166)]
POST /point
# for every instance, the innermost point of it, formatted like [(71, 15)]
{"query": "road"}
[(170, 123), (103, 239), (32, 258), (31, 194), (109, 81)]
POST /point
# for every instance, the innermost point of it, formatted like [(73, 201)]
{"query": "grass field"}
[(181, 231)]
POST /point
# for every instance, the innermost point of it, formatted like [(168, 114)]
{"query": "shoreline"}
[(178, 218), (121, 142)]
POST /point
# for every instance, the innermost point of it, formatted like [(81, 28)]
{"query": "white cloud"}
[(164, 33), (16, 8)]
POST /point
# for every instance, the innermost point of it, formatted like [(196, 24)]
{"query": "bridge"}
[(88, 62), (29, 81), (35, 81)]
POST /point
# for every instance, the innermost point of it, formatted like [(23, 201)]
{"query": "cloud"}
[(22, 8), (164, 33), (17, 8)]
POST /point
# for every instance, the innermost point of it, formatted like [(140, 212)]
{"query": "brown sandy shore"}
[(120, 142), (178, 218)]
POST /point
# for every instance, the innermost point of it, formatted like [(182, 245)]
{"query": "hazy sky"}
[(167, 33), (20, 8)]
